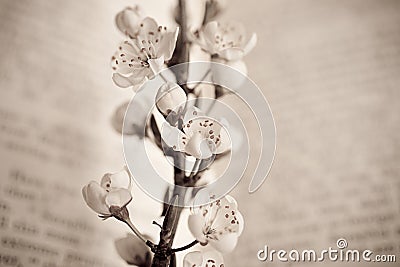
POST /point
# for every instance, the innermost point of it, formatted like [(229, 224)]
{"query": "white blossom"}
[(225, 41), (227, 44), (113, 190), (144, 55), (201, 136), (218, 224)]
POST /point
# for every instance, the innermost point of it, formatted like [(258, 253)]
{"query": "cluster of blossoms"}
[(185, 130)]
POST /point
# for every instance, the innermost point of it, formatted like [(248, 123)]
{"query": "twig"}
[(135, 230), (193, 243)]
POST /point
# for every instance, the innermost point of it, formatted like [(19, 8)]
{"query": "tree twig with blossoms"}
[(187, 134)]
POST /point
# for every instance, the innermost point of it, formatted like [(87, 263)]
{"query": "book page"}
[(329, 70), (57, 101)]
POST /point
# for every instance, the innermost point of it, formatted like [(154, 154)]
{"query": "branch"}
[(163, 254)]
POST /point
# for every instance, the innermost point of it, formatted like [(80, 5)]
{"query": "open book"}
[(330, 73)]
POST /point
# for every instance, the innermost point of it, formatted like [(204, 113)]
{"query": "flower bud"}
[(170, 97)]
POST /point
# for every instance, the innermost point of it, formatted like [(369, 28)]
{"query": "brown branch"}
[(164, 255)]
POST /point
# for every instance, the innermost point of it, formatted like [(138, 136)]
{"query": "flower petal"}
[(232, 202), (196, 224), (125, 82), (225, 143), (233, 53), (241, 222), (201, 199), (193, 259), (205, 137), (225, 243), (173, 137), (147, 25), (118, 198), (191, 113), (212, 258), (128, 49), (222, 218), (225, 215), (128, 20), (250, 44), (199, 146), (209, 32), (156, 65), (117, 180), (129, 60), (167, 44), (94, 196), (233, 31)]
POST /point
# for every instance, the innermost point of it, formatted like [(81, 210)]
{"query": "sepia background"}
[(329, 69)]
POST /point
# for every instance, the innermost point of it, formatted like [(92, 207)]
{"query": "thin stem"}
[(135, 230), (193, 243), (156, 223)]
